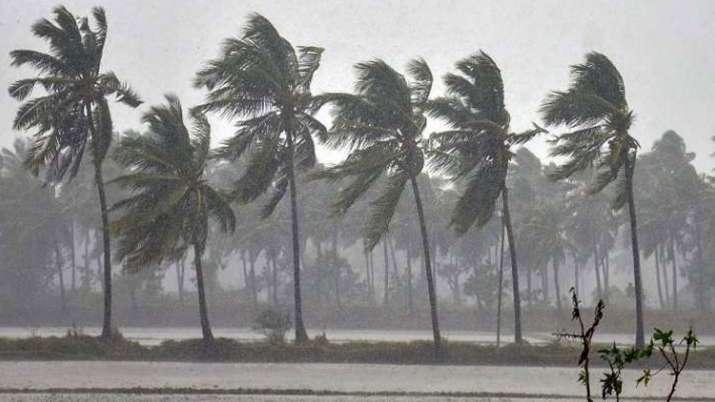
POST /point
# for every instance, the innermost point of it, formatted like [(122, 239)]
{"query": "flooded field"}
[(532, 383), (154, 336)]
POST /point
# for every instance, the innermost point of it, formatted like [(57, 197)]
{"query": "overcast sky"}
[(665, 50)]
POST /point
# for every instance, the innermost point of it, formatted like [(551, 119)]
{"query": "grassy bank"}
[(82, 347)]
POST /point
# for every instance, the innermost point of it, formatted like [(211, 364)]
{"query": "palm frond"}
[(383, 209)]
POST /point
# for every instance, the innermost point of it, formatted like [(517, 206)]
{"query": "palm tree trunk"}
[(301, 336), (576, 279), (514, 267), (203, 309), (368, 280), (371, 266), (597, 270), (701, 298), (529, 290), (107, 258), (674, 267), (386, 295), (657, 279), (99, 182), (61, 277), (410, 299), (640, 333), (500, 291), (428, 271), (545, 283), (666, 281), (252, 274), (557, 284), (606, 265), (73, 256), (274, 279), (337, 270)]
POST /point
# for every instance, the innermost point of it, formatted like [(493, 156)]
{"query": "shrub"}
[(273, 324)]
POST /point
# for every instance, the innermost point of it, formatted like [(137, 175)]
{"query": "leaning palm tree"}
[(477, 150), (594, 107), (172, 201), (265, 83), (73, 111), (381, 125)]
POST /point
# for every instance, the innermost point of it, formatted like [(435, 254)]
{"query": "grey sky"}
[(664, 49)]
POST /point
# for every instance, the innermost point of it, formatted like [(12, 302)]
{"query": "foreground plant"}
[(172, 202), (665, 344), (585, 336), (617, 359), (73, 113)]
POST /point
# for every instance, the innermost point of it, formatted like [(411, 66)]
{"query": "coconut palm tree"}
[(594, 107), (477, 150), (172, 201), (261, 80), (381, 124), (73, 111)]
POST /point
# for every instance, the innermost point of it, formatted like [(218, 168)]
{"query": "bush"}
[(273, 324)]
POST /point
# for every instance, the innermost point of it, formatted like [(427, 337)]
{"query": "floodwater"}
[(151, 336), (484, 383)]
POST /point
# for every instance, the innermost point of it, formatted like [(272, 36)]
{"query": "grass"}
[(75, 346)]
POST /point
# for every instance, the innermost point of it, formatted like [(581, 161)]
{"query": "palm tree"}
[(595, 108), (477, 149), (265, 83), (73, 111), (169, 211), (381, 125)]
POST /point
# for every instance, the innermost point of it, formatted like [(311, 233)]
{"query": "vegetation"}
[(172, 202), (382, 126), (261, 80), (73, 112), (585, 336), (595, 107), (474, 188)]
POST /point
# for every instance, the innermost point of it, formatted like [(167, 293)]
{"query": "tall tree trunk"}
[(386, 295), (393, 255), (605, 265), (529, 289), (301, 336), (557, 285), (337, 270), (657, 278), (252, 274), (73, 257), (410, 298), (545, 283), (674, 267), (640, 333), (274, 279), (514, 267), (428, 271), (597, 270), (203, 309), (319, 267), (666, 282), (371, 261), (576, 279), (701, 298), (99, 182), (500, 291), (61, 277), (368, 279)]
